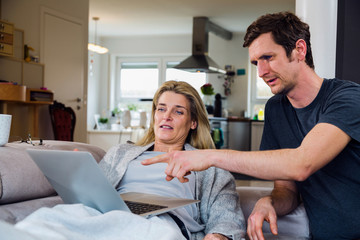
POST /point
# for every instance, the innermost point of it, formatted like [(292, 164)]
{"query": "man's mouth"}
[(270, 81)]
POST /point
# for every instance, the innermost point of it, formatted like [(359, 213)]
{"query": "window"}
[(194, 79), (260, 92), (139, 78)]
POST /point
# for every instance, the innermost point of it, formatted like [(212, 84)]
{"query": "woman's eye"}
[(161, 109), (179, 112)]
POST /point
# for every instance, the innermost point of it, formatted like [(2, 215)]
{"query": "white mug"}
[(5, 125)]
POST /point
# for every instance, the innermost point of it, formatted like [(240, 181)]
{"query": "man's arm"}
[(283, 199), (321, 145)]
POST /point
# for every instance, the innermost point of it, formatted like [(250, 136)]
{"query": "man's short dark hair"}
[(286, 28)]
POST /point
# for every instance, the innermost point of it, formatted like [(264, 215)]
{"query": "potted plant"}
[(103, 122), (208, 91)]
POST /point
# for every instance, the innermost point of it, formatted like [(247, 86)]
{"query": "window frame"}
[(254, 99), (115, 67)]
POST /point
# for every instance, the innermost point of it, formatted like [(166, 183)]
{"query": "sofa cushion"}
[(15, 212), (294, 224), (21, 179)]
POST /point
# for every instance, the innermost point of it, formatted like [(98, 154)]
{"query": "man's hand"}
[(180, 163), (215, 236), (263, 211)]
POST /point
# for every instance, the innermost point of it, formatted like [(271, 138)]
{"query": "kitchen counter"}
[(108, 138), (238, 119)]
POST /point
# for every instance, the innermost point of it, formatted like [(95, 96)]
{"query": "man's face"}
[(274, 67)]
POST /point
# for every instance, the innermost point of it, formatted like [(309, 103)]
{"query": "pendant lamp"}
[(93, 46)]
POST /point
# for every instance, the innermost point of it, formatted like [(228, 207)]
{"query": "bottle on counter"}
[(261, 115), (217, 105)]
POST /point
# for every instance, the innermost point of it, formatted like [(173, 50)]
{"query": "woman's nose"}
[(167, 115)]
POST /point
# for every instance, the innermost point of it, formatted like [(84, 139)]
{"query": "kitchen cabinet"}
[(239, 134), (106, 139), (256, 134)]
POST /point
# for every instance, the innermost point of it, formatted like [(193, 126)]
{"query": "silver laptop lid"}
[(78, 180)]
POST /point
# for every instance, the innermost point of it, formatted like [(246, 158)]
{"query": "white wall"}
[(321, 15), (225, 52), (26, 15)]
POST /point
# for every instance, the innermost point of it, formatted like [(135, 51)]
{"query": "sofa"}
[(24, 189)]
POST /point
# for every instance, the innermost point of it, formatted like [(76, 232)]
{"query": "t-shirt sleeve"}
[(342, 109)]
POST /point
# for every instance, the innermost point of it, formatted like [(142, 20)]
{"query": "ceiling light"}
[(93, 46)]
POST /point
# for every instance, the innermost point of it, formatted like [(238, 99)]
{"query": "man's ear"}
[(193, 124), (301, 48)]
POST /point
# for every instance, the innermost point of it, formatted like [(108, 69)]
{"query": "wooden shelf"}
[(39, 96), (11, 92)]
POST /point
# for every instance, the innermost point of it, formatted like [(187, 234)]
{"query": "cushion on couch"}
[(21, 179), (15, 212)]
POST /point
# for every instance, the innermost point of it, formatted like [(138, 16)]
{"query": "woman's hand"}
[(215, 236)]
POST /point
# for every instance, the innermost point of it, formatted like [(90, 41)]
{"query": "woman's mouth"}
[(166, 127)]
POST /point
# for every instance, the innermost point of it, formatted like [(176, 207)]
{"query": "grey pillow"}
[(21, 179)]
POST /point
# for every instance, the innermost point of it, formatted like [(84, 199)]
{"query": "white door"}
[(63, 55)]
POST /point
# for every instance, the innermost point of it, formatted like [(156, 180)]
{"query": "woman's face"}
[(172, 119)]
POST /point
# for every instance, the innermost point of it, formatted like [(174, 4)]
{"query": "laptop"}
[(77, 178)]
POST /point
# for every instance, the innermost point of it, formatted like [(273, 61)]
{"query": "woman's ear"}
[(193, 124)]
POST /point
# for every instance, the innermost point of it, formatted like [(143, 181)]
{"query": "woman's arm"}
[(220, 206)]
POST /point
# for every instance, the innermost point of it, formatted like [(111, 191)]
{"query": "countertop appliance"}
[(219, 128)]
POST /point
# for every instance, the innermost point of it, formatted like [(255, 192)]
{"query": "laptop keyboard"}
[(140, 208)]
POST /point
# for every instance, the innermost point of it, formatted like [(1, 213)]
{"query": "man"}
[(311, 138)]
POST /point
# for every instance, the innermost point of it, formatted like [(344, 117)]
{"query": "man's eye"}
[(267, 57)]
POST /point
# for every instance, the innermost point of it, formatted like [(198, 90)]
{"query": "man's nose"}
[(262, 68)]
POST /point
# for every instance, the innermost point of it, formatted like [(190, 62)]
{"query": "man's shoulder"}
[(336, 83), (342, 89)]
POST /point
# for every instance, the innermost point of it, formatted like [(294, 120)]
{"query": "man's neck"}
[(306, 89)]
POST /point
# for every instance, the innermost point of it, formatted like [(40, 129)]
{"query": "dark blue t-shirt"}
[(332, 194)]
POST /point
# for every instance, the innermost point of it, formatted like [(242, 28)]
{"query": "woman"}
[(179, 122)]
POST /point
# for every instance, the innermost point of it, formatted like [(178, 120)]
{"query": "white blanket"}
[(78, 222)]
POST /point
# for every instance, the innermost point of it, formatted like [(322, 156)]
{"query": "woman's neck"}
[(161, 147)]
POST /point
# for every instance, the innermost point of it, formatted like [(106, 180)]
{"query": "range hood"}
[(199, 61)]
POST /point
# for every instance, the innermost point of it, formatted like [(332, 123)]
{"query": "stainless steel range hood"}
[(199, 61)]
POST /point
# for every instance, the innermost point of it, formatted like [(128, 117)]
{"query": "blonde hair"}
[(200, 137)]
